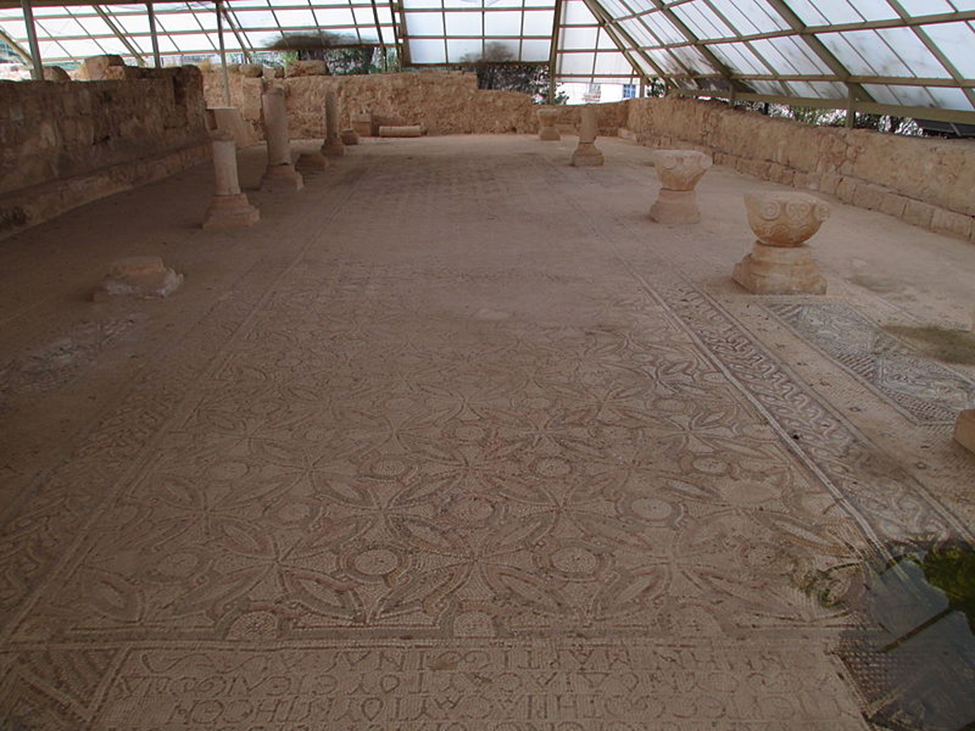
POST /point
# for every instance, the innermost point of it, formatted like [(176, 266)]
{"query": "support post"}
[(37, 68), (851, 114), (153, 35), (223, 57)]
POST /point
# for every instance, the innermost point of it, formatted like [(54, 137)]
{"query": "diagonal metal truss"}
[(837, 54)]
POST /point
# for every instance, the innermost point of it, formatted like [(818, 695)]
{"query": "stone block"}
[(893, 204), (952, 224), (248, 70), (918, 213), (94, 68), (781, 174), (828, 183), (362, 124), (306, 68), (965, 429), (806, 180), (846, 189), (55, 73), (349, 137), (868, 195)]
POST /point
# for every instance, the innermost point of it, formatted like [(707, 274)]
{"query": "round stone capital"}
[(680, 169), (785, 218)]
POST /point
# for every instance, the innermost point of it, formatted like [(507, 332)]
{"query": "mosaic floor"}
[(457, 450)]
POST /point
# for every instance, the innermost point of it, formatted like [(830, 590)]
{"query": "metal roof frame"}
[(831, 53)]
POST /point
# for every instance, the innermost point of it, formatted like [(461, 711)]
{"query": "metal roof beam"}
[(234, 24), (942, 115), (709, 56), (933, 48), (819, 48), (120, 35), (619, 34), (36, 66), (553, 50)]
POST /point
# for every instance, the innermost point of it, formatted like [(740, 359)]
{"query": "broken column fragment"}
[(138, 276), (281, 174), (229, 207), (403, 130), (781, 261)]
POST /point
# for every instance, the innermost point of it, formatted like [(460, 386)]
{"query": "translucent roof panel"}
[(589, 53), (893, 53), (472, 31)]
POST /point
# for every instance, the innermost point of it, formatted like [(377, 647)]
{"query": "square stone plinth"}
[(282, 178), (779, 270), (230, 211), (312, 162), (965, 429)]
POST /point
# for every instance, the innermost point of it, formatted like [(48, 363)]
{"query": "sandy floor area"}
[(457, 438)]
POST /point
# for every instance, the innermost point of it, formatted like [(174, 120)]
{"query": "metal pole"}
[(37, 69), (223, 58), (152, 34)]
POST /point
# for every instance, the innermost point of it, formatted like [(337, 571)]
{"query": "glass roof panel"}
[(535, 51), (703, 21), (957, 42)]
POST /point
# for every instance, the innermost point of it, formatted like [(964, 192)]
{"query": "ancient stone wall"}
[(925, 181), (443, 102), (66, 144)]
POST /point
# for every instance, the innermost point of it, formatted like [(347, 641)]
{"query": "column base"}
[(231, 211), (675, 207), (780, 270), (349, 137), (311, 162), (965, 429), (333, 147), (282, 178), (587, 155), (143, 277), (549, 134)]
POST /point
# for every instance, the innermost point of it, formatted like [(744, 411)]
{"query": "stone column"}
[(587, 154), (678, 171), (965, 429), (229, 208), (281, 174), (546, 121), (780, 261), (332, 146)]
